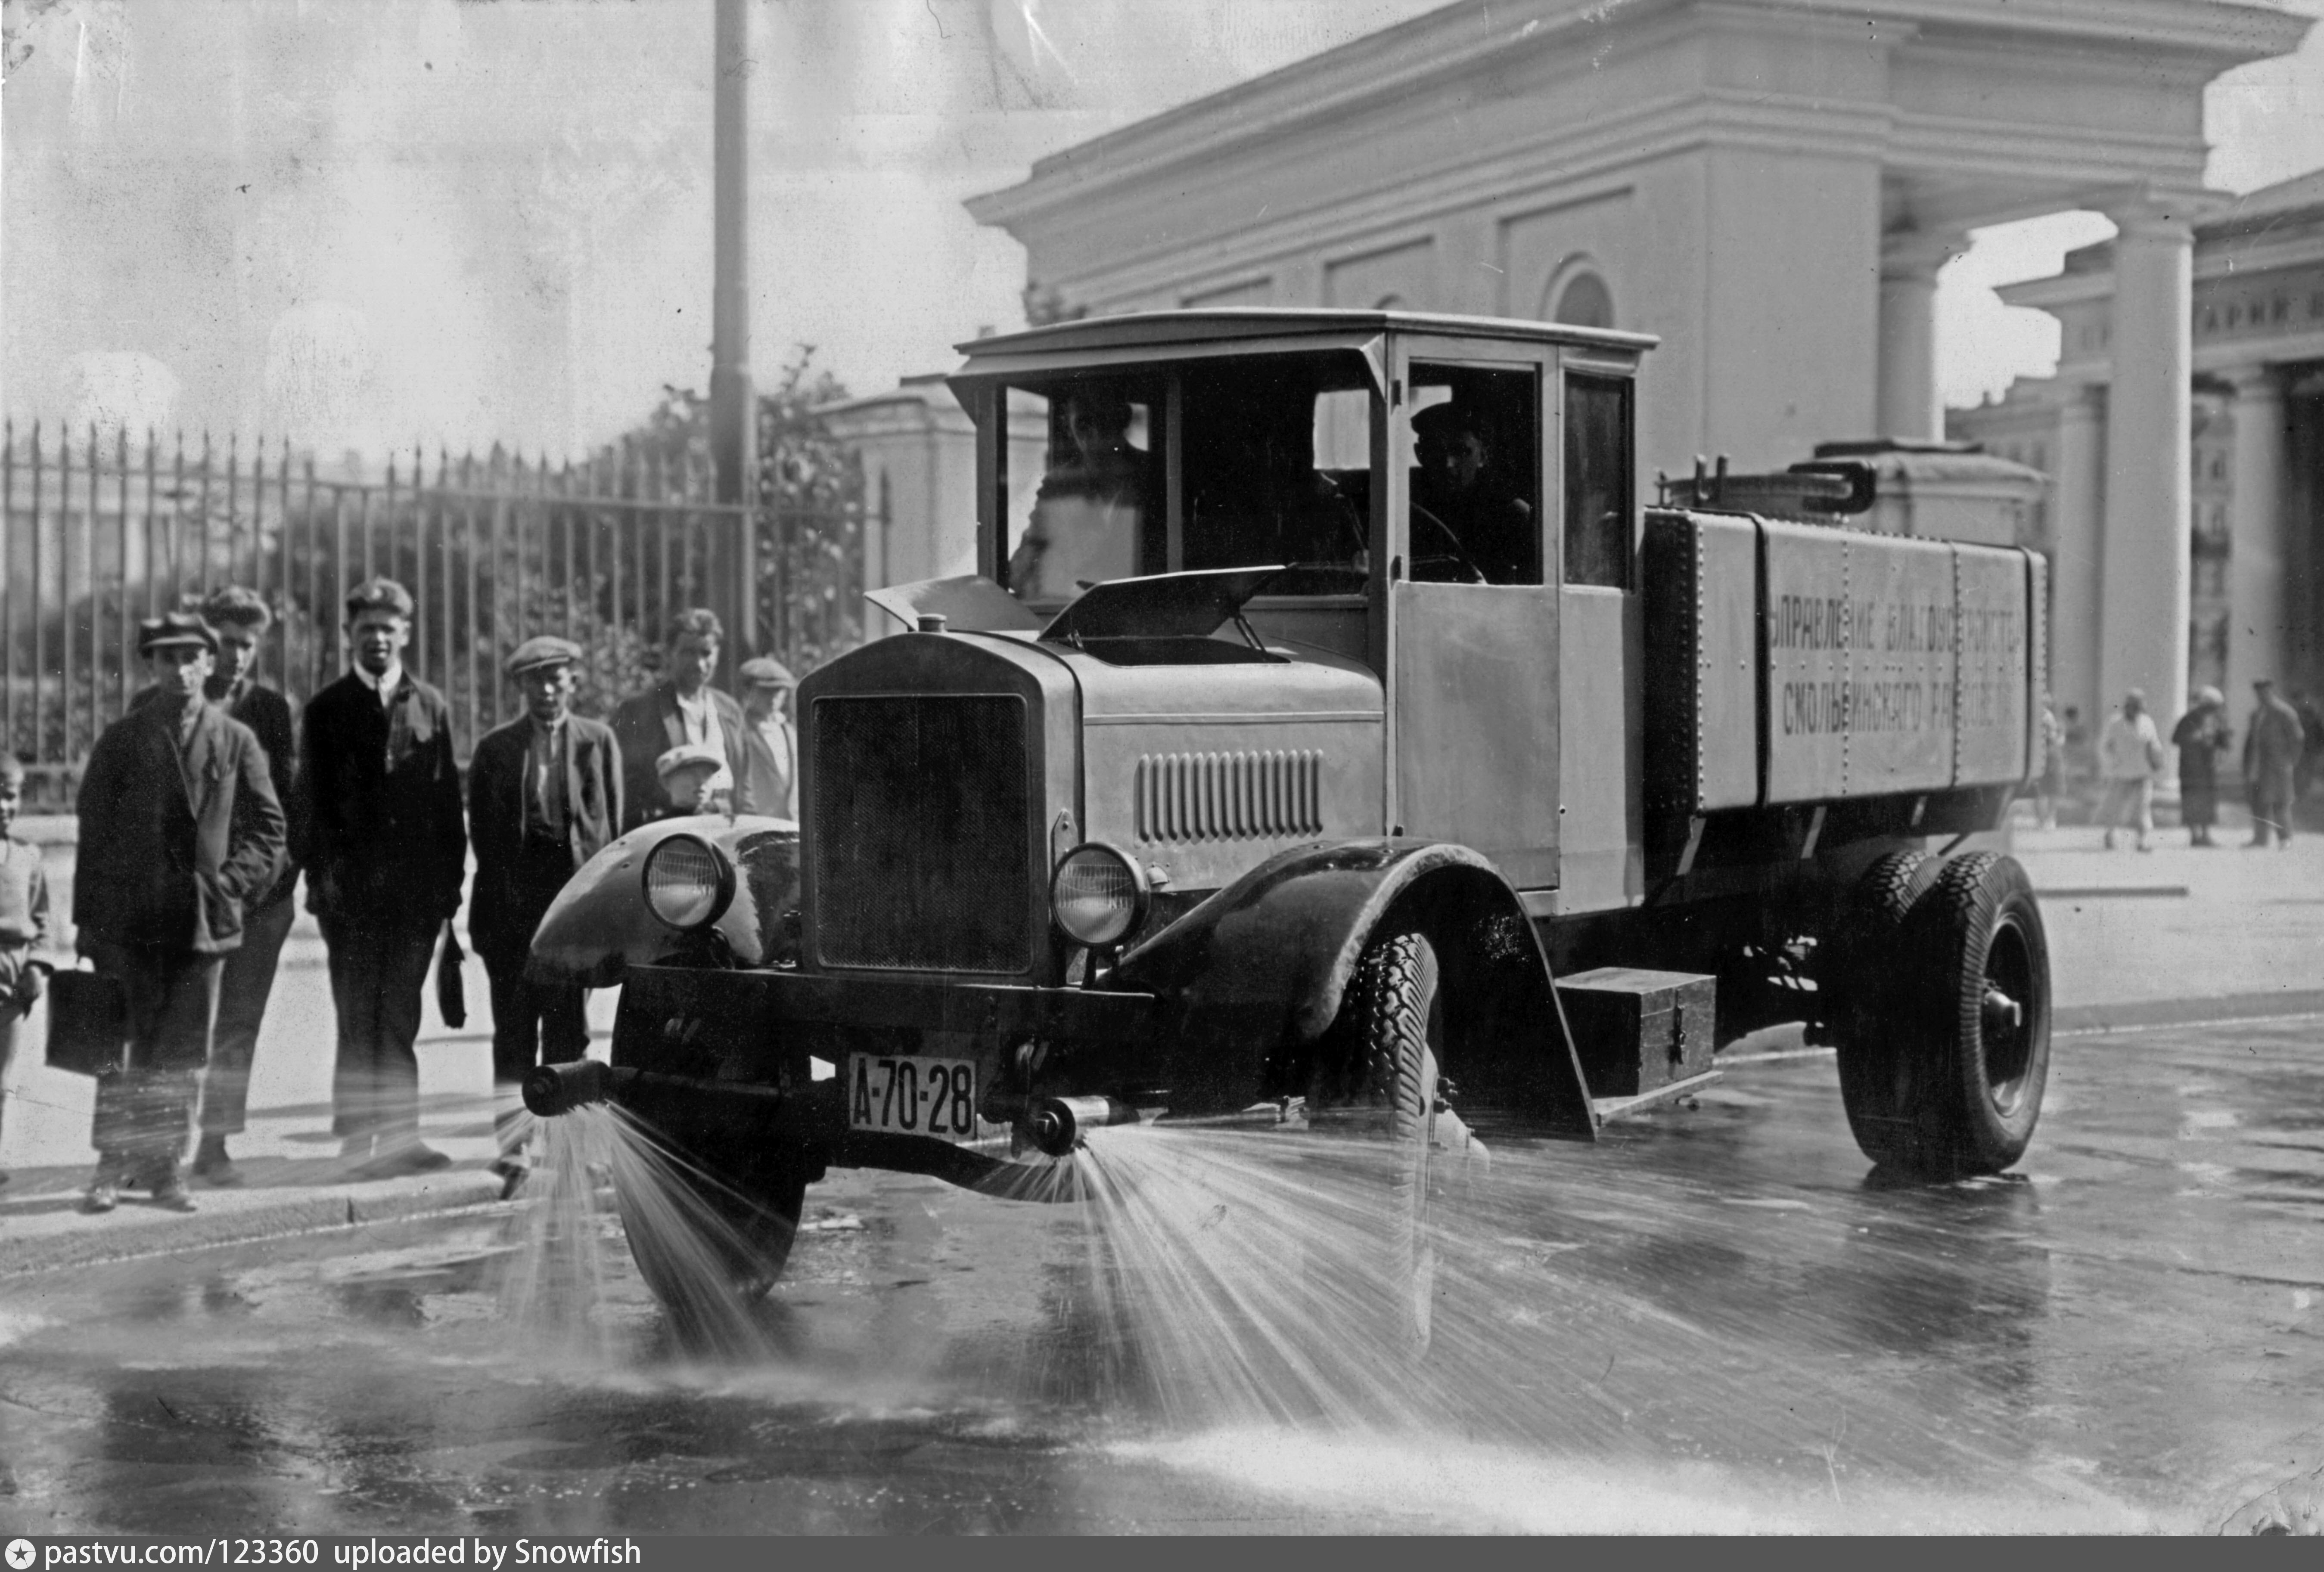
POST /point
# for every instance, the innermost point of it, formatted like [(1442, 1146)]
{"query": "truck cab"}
[(1326, 734)]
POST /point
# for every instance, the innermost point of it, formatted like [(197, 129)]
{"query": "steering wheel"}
[(1470, 572)]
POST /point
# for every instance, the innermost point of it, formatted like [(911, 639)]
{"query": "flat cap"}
[(542, 649), (174, 628), (764, 671), (687, 753)]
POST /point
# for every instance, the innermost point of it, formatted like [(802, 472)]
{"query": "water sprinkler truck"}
[(1326, 734)]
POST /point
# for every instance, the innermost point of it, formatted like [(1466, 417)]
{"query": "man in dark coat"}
[(240, 618), (2272, 747), (544, 797), (681, 708), (179, 828), (379, 801)]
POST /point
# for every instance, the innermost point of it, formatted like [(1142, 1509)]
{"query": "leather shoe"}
[(213, 1166), (512, 1177), (103, 1196), (170, 1194)]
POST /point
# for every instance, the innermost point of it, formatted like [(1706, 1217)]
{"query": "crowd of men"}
[(203, 806)]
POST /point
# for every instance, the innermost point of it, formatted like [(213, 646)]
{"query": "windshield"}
[(1272, 465)]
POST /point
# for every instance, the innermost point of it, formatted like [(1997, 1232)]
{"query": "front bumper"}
[(713, 1058)]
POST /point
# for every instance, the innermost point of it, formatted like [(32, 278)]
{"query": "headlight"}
[(1099, 896), (689, 882)]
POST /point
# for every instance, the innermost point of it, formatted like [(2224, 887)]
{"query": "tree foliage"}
[(810, 487)]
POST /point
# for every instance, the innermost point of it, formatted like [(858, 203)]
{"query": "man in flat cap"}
[(179, 828), (384, 849), (544, 797), (768, 738), (240, 618), (681, 708)]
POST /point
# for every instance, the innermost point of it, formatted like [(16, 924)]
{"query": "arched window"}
[(1583, 301)]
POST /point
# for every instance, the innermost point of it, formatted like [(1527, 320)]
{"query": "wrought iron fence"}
[(99, 535)]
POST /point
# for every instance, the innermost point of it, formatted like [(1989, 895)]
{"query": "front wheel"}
[(710, 1231), (1396, 1015)]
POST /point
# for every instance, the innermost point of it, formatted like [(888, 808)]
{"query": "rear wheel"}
[(1879, 1083), (1952, 1082)]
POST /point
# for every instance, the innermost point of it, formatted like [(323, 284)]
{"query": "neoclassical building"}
[(2255, 448), (1771, 186)]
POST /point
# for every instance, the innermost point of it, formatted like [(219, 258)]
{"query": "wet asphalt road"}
[(1715, 1320)]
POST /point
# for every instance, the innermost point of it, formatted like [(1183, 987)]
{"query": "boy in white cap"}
[(692, 777)]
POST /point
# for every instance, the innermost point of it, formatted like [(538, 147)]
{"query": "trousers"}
[(377, 974), (244, 986), (2271, 804), (145, 1110)]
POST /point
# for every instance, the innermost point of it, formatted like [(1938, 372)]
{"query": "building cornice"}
[(1488, 35)]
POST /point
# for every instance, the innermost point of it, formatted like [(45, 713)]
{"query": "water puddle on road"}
[(1526, 1342)]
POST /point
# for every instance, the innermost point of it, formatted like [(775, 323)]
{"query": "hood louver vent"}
[(1230, 796)]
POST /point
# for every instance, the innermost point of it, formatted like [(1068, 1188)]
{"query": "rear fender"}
[(1253, 978), (599, 925)]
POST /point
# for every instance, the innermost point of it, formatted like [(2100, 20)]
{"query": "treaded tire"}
[(1397, 1014), (1878, 1083), (1967, 1051)]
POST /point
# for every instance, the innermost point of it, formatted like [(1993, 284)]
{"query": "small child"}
[(23, 921), (695, 779)]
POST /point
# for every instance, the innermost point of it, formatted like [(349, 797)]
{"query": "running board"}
[(1616, 1107)]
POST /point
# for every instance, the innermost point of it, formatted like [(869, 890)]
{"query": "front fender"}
[(599, 926), (1257, 972)]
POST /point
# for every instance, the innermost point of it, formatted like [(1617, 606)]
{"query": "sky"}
[(379, 222)]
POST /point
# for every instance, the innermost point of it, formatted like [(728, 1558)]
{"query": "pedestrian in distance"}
[(384, 851), (23, 923), (545, 795), (2271, 749), (180, 831), (2050, 780), (770, 738), (681, 708), (2311, 749), (241, 618), (2130, 755), (2201, 736)]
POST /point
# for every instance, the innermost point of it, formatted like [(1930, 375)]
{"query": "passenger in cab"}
[(1085, 524)]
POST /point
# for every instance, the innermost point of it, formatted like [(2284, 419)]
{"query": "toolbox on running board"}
[(1636, 1030)]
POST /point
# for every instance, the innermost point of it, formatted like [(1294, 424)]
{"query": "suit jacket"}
[(174, 849), (267, 713), (2273, 741), (778, 763), (379, 806), (507, 903), (648, 725)]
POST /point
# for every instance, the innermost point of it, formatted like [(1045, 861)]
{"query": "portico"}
[(1770, 188)]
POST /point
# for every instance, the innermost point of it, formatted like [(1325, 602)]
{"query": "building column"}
[(2256, 618), (2143, 573), (2077, 514), (1905, 402)]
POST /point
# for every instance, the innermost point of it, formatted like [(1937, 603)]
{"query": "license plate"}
[(905, 1095)]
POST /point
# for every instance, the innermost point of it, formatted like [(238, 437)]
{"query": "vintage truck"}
[(1326, 733)]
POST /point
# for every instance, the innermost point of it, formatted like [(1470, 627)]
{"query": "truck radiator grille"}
[(1230, 796), (918, 831)]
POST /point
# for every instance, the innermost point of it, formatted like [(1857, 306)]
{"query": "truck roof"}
[(1161, 329)]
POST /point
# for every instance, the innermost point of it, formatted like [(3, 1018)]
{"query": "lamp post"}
[(732, 439)]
